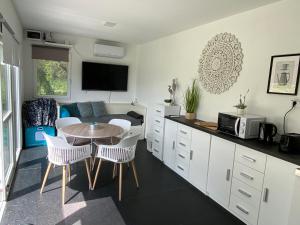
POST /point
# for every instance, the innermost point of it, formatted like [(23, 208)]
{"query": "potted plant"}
[(241, 106), (191, 101)]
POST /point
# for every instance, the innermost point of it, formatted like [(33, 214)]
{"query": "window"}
[(51, 67), (52, 78)]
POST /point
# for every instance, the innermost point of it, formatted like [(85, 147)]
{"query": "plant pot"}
[(240, 111), (190, 116)]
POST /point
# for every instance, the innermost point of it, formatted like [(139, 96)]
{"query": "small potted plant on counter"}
[(191, 101), (241, 106)]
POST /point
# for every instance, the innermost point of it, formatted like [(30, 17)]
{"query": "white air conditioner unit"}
[(109, 51)]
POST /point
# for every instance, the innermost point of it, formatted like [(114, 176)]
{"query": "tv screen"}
[(105, 77)]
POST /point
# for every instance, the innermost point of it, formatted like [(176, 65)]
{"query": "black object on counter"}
[(290, 143), (266, 132)]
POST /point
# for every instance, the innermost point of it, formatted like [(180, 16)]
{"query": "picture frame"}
[(284, 74)]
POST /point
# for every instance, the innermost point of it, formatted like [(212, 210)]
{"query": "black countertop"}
[(270, 149)]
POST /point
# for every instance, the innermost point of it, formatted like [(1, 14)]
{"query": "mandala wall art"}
[(220, 63)]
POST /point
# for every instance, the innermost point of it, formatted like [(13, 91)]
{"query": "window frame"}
[(68, 96)]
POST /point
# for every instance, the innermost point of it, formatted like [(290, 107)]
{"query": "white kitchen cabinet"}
[(220, 170), (199, 156), (277, 192), (169, 152)]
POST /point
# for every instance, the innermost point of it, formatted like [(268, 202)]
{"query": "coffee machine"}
[(266, 132)]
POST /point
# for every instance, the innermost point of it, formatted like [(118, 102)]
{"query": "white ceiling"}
[(137, 21)]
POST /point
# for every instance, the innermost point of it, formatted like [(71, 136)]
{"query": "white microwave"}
[(242, 126)]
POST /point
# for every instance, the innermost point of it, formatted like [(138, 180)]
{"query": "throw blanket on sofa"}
[(39, 112)]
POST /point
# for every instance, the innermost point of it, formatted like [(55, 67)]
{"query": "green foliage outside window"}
[(52, 78)]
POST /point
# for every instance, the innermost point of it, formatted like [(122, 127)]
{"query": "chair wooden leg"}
[(97, 172), (63, 185), (120, 182), (46, 177), (88, 173), (114, 170), (69, 172), (135, 174)]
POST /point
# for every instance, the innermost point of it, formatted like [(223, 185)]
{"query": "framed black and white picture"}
[(284, 74)]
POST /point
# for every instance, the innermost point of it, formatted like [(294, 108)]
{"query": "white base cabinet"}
[(220, 170), (256, 187), (170, 143), (277, 192), (199, 157)]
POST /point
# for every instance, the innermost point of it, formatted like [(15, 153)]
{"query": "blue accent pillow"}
[(64, 112), (73, 109), (85, 109), (99, 108)]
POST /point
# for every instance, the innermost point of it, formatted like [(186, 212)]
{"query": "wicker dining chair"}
[(60, 153), (123, 152)]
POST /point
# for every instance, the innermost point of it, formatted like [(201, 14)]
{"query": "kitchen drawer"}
[(158, 121), (183, 143), (157, 150), (158, 140), (184, 131), (248, 175), (158, 131), (183, 156), (246, 193), (182, 169), (251, 158), (159, 110), (243, 210)]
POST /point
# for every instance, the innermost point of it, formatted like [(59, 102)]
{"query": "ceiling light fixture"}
[(109, 24)]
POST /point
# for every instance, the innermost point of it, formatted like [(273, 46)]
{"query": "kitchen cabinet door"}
[(199, 157), (169, 149), (220, 170), (278, 192)]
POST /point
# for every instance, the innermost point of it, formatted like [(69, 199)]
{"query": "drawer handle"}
[(246, 176), (156, 150), (173, 147), (157, 141), (181, 168), (183, 132), (228, 173), (249, 158), (245, 193), (182, 144), (157, 131), (191, 154), (266, 195), (157, 121), (182, 156), (158, 111), (242, 209)]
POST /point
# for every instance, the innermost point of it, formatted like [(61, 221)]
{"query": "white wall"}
[(83, 51), (263, 32), (9, 13)]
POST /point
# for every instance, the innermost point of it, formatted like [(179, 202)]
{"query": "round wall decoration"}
[(220, 63)]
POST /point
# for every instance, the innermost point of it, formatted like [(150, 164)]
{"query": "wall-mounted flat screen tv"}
[(104, 77)]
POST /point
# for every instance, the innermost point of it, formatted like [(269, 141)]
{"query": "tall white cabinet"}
[(220, 170), (158, 125)]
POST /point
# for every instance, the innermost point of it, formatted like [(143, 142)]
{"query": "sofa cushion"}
[(64, 112), (85, 109), (99, 108), (72, 109)]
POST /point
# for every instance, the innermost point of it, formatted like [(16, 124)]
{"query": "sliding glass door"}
[(7, 156)]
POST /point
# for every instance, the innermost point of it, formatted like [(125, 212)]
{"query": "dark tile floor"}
[(164, 198)]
